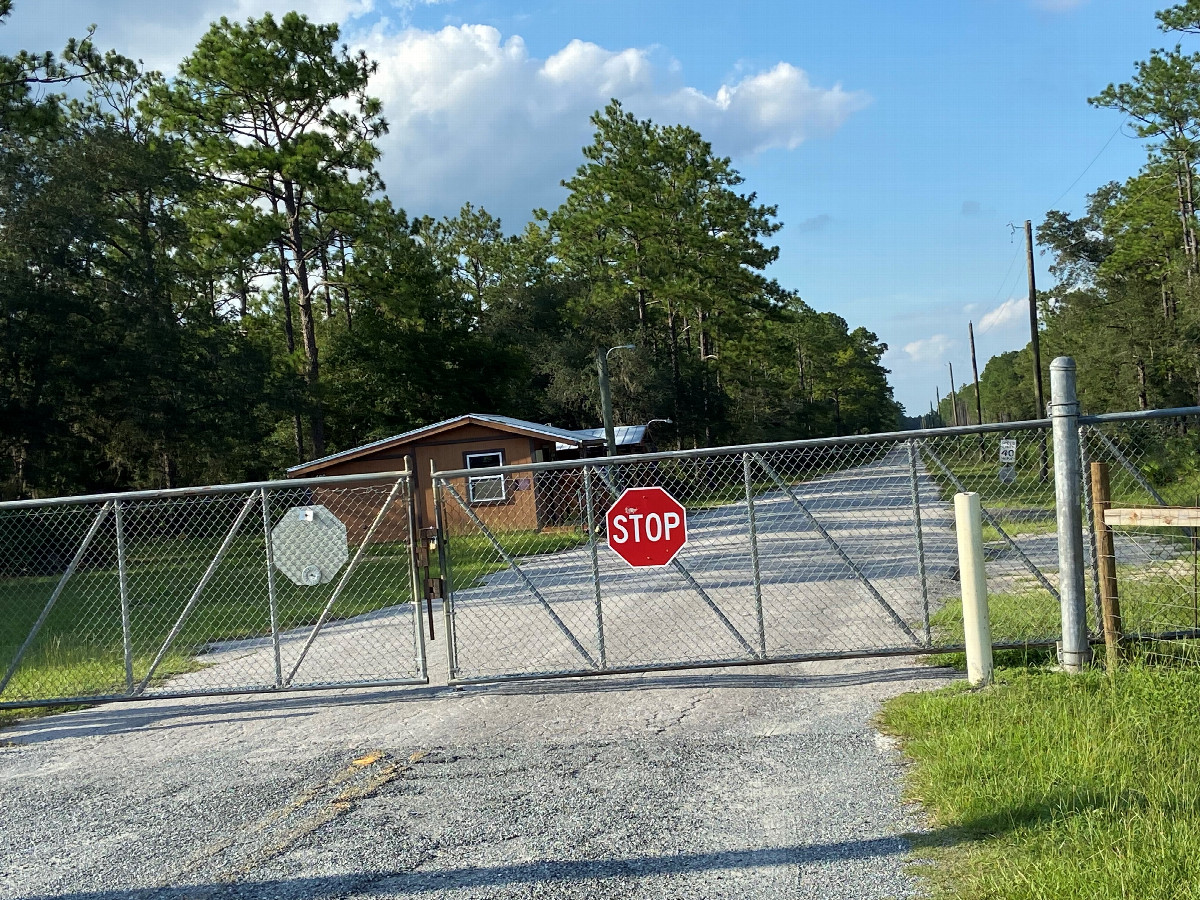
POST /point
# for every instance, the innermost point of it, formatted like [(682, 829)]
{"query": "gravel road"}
[(761, 782), (764, 782)]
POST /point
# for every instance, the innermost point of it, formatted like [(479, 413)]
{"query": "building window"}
[(486, 488)]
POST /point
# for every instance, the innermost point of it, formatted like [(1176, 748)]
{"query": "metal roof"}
[(561, 436), (626, 435)]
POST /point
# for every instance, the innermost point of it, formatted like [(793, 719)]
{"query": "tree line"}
[(202, 279), (1126, 302)]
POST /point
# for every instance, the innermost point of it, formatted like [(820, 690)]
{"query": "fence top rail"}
[(1141, 415), (206, 491), (894, 437)]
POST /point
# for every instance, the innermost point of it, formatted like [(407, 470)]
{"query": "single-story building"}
[(481, 441)]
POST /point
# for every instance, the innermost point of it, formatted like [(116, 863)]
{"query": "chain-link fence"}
[(799, 550), (272, 586), (1012, 470), (1152, 465)]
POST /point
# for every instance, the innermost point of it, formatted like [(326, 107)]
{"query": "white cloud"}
[(930, 349), (475, 117), (161, 34), (1008, 313)]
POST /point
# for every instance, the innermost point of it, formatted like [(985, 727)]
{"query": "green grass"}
[(1049, 785), (980, 471), (80, 649), (473, 557), (1015, 528), (1151, 603), (1022, 617)]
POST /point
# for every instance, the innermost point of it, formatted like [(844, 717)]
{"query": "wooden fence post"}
[(1106, 561)]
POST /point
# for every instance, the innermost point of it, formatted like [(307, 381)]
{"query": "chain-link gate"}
[(801, 550), (797, 550), (264, 587)]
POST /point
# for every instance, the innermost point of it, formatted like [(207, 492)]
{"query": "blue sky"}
[(899, 140)]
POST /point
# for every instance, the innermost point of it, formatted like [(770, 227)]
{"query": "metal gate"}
[(271, 586), (800, 550)]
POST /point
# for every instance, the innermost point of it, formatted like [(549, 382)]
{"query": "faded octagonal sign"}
[(309, 545)]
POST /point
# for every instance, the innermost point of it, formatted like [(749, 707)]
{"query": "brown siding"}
[(446, 451)]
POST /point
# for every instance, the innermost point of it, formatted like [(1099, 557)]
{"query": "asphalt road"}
[(762, 782)]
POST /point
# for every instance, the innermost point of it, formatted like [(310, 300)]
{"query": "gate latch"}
[(434, 588)]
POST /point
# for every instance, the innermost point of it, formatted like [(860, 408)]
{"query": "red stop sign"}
[(647, 526)]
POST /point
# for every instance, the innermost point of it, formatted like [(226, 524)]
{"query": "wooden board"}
[(1154, 517)]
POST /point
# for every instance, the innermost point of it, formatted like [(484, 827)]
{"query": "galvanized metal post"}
[(272, 602), (123, 586), (610, 440), (591, 527), (920, 535), (758, 603), (447, 579), (1068, 480), (418, 589)]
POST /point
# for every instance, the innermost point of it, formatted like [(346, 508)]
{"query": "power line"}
[(1003, 284), (1099, 153)]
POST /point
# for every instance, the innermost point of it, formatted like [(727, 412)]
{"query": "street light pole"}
[(610, 435)]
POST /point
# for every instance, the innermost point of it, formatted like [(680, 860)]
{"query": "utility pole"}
[(953, 396), (1037, 347), (937, 392), (606, 409), (975, 372)]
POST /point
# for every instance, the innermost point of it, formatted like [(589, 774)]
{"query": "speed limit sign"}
[(1008, 451)]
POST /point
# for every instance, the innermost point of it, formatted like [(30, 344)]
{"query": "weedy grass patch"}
[(1048, 785)]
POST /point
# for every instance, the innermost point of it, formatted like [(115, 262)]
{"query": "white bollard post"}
[(977, 626)]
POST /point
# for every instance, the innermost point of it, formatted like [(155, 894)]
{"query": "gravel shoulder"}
[(751, 782)]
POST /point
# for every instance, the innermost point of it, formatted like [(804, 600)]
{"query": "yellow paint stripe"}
[(302, 800), (345, 802)]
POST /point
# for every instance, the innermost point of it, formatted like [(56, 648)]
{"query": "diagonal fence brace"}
[(195, 598), (1029, 563), (58, 589), (692, 582), (344, 580), (512, 564), (958, 486), (1133, 470), (837, 548)]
